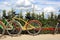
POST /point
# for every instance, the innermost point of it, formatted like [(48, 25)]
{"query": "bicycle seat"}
[(28, 17), (6, 17)]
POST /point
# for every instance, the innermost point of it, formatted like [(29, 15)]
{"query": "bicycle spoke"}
[(16, 28), (33, 30)]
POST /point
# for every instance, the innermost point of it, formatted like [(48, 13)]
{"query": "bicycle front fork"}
[(56, 28)]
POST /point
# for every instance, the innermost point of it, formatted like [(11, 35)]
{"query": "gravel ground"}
[(30, 37)]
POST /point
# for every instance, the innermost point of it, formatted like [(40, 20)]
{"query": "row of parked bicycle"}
[(14, 27)]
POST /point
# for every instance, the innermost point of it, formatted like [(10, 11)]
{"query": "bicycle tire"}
[(34, 21), (2, 30), (14, 34)]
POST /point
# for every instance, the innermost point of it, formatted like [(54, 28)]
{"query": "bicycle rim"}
[(16, 28), (37, 27)]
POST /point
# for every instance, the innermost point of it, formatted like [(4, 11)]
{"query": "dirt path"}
[(29, 37)]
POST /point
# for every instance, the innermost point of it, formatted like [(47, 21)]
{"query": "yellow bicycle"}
[(33, 27)]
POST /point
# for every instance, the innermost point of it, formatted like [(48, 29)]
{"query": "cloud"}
[(23, 3), (19, 2), (39, 5), (6, 3), (27, 4), (37, 9), (51, 3), (49, 9)]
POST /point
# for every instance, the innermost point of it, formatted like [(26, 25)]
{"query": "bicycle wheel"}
[(16, 28), (35, 29), (2, 30), (56, 29)]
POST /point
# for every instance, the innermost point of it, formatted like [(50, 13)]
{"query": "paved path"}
[(29, 37)]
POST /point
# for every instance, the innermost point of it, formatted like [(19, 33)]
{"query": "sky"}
[(38, 5)]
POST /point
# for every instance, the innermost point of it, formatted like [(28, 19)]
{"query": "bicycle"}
[(13, 27), (57, 28), (33, 27), (2, 28), (10, 27)]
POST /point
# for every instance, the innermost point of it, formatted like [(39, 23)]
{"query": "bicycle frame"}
[(5, 23), (3, 26), (26, 22)]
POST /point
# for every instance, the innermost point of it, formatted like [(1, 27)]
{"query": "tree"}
[(39, 17), (21, 14), (4, 13), (52, 16), (36, 16), (42, 15), (28, 16), (55, 17), (49, 17), (33, 16), (13, 13), (52, 19), (9, 13)]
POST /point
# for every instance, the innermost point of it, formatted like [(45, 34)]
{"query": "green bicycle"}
[(12, 27)]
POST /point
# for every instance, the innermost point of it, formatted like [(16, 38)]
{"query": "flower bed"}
[(47, 30), (51, 28)]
